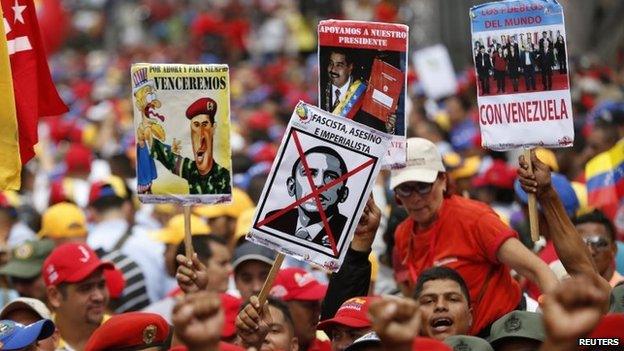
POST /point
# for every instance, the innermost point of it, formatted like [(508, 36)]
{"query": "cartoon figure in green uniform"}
[(204, 174)]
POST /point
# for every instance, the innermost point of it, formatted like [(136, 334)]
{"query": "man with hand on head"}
[(266, 328), (251, 264), (350, 322), (303, 294)]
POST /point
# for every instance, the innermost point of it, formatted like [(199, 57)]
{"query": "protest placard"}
[(363, 76), (318, 186), (182, 124), (519, 51), (435, 71)]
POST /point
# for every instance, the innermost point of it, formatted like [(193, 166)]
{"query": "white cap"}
[(28, 303), (422, 165)]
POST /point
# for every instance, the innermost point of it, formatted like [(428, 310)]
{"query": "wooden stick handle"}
[(533, 219), (268, 283), (188, 242)]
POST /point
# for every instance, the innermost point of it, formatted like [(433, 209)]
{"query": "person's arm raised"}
[(571, 311), (570, 248), (353, 278)]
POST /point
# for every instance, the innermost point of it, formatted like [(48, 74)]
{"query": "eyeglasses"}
[(407, 189), (597, 242)]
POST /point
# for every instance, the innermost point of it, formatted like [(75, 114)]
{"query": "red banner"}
[(35, 93), (363, 35)]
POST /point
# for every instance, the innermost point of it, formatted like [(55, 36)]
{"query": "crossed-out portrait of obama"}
[(203, 174), (304, 221)]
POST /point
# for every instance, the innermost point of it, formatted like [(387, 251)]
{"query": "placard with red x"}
[(315, 194), (317, 189)]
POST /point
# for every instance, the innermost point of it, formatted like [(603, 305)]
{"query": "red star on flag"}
[(34, 91)]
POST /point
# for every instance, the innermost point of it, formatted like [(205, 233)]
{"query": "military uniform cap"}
[(131, 331), (517, 324), (203, 106), (467, 343)]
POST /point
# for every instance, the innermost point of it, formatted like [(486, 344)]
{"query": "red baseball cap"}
[(352, 313), (78, 158), (71, 263), (297, 284), (231, 306), (132, 330), (499, 175), (429, 344), (115, 282)]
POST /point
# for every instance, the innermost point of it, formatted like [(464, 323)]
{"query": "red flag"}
[(35, 93)]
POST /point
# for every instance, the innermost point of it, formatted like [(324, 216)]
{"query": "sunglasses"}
[(597, 242), (409, 188)]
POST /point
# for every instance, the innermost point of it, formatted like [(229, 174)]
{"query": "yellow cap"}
[(243, 223), (548, 157), (173, 232), (240, 202), (468, 168), (63, 220)]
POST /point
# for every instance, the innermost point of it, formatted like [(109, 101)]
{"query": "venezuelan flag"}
[(11, 166), (350, 105), (605, 177)]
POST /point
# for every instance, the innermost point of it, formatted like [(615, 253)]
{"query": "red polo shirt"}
[(466, 237)]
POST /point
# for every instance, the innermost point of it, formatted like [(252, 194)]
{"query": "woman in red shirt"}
[(462, 234)]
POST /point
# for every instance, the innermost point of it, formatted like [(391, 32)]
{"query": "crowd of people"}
[(442, 258), (511, 59)]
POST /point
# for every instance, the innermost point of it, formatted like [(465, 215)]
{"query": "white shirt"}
[(343, 91), (145, 251)]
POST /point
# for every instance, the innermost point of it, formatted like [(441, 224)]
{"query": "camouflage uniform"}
[(217, 181)]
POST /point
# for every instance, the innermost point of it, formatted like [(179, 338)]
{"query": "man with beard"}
[(305, 221), (76, 289), (444, 303), (204, 174)]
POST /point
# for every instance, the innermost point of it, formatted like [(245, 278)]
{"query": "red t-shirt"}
[(466, 237)]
